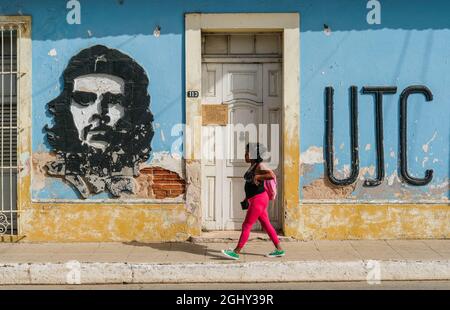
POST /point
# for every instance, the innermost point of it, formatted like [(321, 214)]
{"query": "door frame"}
[(289, 25)]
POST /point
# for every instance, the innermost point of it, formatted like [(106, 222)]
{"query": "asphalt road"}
[(386, 285)]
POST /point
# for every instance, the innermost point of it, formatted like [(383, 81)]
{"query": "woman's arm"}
[(263, 173)]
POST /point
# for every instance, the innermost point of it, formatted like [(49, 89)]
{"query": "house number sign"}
[(193, 94)]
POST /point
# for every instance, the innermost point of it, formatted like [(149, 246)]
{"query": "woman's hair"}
[(255, 151)]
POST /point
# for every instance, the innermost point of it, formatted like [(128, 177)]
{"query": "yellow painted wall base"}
[(107, 223), (369, 221), (159, 223)]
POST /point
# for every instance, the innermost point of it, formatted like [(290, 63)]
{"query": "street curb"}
[(252, 272)]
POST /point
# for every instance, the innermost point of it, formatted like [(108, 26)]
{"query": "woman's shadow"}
[(187, 247)]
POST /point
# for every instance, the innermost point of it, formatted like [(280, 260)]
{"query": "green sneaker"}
[(231, 254), (276, 253)]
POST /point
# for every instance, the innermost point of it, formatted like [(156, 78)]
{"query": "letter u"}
[(329, 152)]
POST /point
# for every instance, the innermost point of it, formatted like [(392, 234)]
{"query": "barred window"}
[(8, 127)]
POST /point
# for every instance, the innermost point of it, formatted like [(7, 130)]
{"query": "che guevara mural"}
[(103, 127)]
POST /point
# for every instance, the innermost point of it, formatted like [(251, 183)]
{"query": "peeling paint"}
[(441, 189), (25, 164), (346, 170), (327, 30), (392, 189), (378, 221), (392, 178), (426, 146), (313, 155), (105, 223), (52, 53), (163, 138), (143, 185), (39, 175), (323, 189), (159, 183), (167, 161), (364, 171), (306, 169), (193, 190)]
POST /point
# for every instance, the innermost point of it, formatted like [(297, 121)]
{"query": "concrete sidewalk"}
[(188, 262)]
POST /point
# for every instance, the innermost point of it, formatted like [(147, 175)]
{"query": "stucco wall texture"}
[(409, 47)]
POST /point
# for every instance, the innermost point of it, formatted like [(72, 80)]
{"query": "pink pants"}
[(257, 210)]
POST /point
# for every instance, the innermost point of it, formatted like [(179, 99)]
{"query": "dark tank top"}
[(251, 189)]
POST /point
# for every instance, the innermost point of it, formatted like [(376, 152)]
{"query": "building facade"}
[(127, 120)]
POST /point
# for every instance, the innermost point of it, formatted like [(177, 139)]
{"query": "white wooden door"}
[(252, 93)]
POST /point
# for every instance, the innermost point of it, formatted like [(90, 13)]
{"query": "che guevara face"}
[(102, 123), (96, 106)]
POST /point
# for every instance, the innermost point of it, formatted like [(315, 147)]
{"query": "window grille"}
[(9, 68)]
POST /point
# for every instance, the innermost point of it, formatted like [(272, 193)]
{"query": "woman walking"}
[(257, 201)]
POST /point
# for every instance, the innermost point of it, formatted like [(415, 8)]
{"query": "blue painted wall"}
[(411, 46)]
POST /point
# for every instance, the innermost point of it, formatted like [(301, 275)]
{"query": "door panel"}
[(212, 83), (242, 81), (211, 180), (272, 97), (242, 44), (235, 193), (245, 118), (210, 215)]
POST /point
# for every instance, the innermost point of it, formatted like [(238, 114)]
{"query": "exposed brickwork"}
[(165, 183)]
